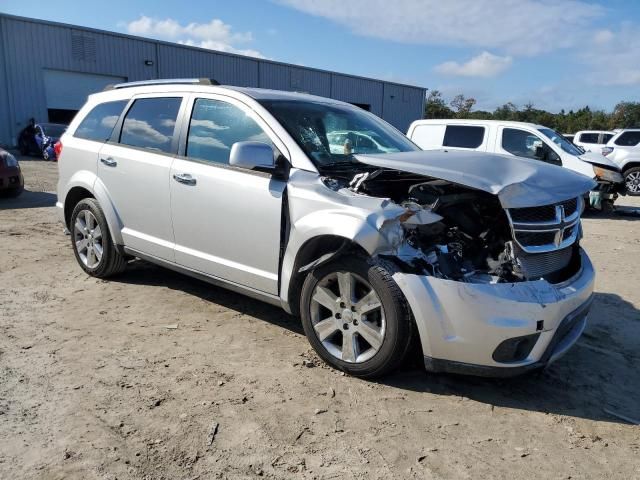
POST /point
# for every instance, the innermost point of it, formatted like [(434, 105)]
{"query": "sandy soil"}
[(93, 384)]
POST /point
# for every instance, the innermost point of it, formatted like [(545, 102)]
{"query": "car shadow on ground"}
[(143, 273), (621, 212), (581, 384), (28, 199)]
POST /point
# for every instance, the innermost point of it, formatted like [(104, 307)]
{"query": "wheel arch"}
[(86, 185), (314, 252), (630, 165)]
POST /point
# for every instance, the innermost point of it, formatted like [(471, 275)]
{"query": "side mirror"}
[(252, 155)]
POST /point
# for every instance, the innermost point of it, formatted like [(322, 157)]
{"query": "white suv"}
[(475, 254), (624, 150), (521, 139)]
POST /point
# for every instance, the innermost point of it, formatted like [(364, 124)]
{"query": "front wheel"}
[(632, 181), (91, 241), (356, 317)]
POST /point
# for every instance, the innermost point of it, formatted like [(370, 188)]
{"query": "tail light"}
[(607, 150), (58, 149)]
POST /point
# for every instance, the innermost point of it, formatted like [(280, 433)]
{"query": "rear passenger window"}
[(99, 122), (463, 136), (606, 137), (628, 139), (215, 126), (150, 123), (588, 138)]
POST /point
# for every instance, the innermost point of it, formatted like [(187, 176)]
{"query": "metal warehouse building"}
[(48, 69)]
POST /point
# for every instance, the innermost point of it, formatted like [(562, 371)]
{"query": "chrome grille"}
[(546, 228), (539, 265)]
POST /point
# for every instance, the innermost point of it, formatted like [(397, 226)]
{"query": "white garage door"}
[(69, 90)]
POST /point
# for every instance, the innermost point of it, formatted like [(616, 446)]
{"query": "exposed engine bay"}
[(467, 235)]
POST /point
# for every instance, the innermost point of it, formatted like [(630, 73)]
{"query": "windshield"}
[(330, 134), (53, 130), (560, 141)]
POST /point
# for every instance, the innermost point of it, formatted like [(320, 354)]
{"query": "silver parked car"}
[(476, 254)]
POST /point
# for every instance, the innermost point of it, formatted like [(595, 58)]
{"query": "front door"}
[(134, 167), (226, 220)]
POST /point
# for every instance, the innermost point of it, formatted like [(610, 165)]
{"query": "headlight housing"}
[(608, 175), (11, 161)]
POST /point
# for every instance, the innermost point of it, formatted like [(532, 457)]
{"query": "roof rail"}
[(164, 81)]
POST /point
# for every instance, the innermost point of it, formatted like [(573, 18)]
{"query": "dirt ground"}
[(94, 385)]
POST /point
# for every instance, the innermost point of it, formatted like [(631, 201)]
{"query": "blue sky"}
[(555, 53)]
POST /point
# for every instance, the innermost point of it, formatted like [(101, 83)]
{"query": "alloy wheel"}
[(632, 181), (348, 317), (88, 239)]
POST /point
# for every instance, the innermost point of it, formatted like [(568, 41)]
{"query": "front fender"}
[(374, 233), (89, 181)]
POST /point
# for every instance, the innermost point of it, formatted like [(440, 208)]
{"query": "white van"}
[(523, 140), (592, 140)]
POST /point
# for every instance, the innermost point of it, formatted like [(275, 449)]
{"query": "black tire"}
[(635, 171), (112, 262), (399, 324)]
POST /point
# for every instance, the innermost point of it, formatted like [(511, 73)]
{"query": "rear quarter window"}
[(463, 136), (628, 139), (99, 122), (588, 138)]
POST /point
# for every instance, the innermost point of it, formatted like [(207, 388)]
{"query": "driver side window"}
[(215, 126), (524, 144)]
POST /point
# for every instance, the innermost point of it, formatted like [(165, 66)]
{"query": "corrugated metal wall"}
[(5, 107), (176, 61), (31, 46), (402, 105), (358, 90)]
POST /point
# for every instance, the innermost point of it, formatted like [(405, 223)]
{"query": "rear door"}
[(227, 220), (134, 167)]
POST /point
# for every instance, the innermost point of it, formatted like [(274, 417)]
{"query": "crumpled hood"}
[(518, 182), (598, 159)]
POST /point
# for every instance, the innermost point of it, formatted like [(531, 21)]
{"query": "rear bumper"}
[(461, 325)]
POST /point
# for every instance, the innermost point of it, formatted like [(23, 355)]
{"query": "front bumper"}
[(462, 324)]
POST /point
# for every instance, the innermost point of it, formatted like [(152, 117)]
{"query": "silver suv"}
[(475, 254)]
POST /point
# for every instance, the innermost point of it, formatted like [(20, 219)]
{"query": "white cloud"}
[(215, 35), (484, 65), (603, 36), (612, 57), (518, 27)]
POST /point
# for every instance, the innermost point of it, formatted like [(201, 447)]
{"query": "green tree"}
[(462, 106), (436, 107)]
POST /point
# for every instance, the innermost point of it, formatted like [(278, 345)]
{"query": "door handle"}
[(109, 162), (184, 178)]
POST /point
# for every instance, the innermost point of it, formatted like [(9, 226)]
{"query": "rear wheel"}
[(632, 181), (91, 241), (356, 317)]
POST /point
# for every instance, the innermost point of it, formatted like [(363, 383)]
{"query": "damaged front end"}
[(459, 233), (491, 266)]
